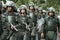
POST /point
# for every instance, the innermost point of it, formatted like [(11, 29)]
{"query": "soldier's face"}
[(44, 13), (9, 8), (31, 7), (23, 12), (51, 14), (3, 9), (40, 11)]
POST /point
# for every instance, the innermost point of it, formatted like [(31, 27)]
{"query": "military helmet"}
[(44, 11), (31, 4), (40, 8), (4, 6), (51, 9), (10, 3), (23, 7), (51, 12), (36, 7)]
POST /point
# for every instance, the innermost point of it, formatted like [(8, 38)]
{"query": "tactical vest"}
[(51, 24), (22, 21)]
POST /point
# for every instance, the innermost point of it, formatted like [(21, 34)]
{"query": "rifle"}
[(11, 32)]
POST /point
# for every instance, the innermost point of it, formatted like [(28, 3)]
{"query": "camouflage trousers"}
[(51, 35), (20, 36), (4, 35), (35, 35)]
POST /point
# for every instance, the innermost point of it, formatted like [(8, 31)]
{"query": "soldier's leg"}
[(46, 38), (32, 37), (37, 36), (14, 36), (27, 36), (11, 38), (55, 36), (4, 35), (0, 37), (20, 36), (33, 34), (50, 35)]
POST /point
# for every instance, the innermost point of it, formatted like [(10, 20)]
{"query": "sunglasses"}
[(23, 13)]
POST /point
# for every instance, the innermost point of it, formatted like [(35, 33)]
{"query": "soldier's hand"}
[(42, 35), (58, 35), (27, 27), (12, 27)]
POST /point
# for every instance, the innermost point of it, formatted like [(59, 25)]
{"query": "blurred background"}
[(42, 3), (45, 4)]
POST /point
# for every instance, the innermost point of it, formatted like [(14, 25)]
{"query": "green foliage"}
[(47, 4)]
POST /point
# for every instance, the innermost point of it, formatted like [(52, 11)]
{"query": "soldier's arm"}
[(58, 24), (43, 28), (28, 23), (58, 28), (1, 30), (43, 25)]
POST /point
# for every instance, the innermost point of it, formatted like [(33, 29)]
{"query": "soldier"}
[(40, 21), (5, 29), (3, 10), (58, 31), (0, 20), (44, 13), (50, 26), (23, 33), (33, 19), (11, 17), (39, 28), (4, 24), (1, 30), (40, 14), (14, 6)]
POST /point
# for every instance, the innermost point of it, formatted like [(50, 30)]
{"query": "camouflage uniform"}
[(40, 21), (50, 27), (40, 14), (23, 33), (33, 20), (11, 18), (4, 24), (5, 27), (0, 17)]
